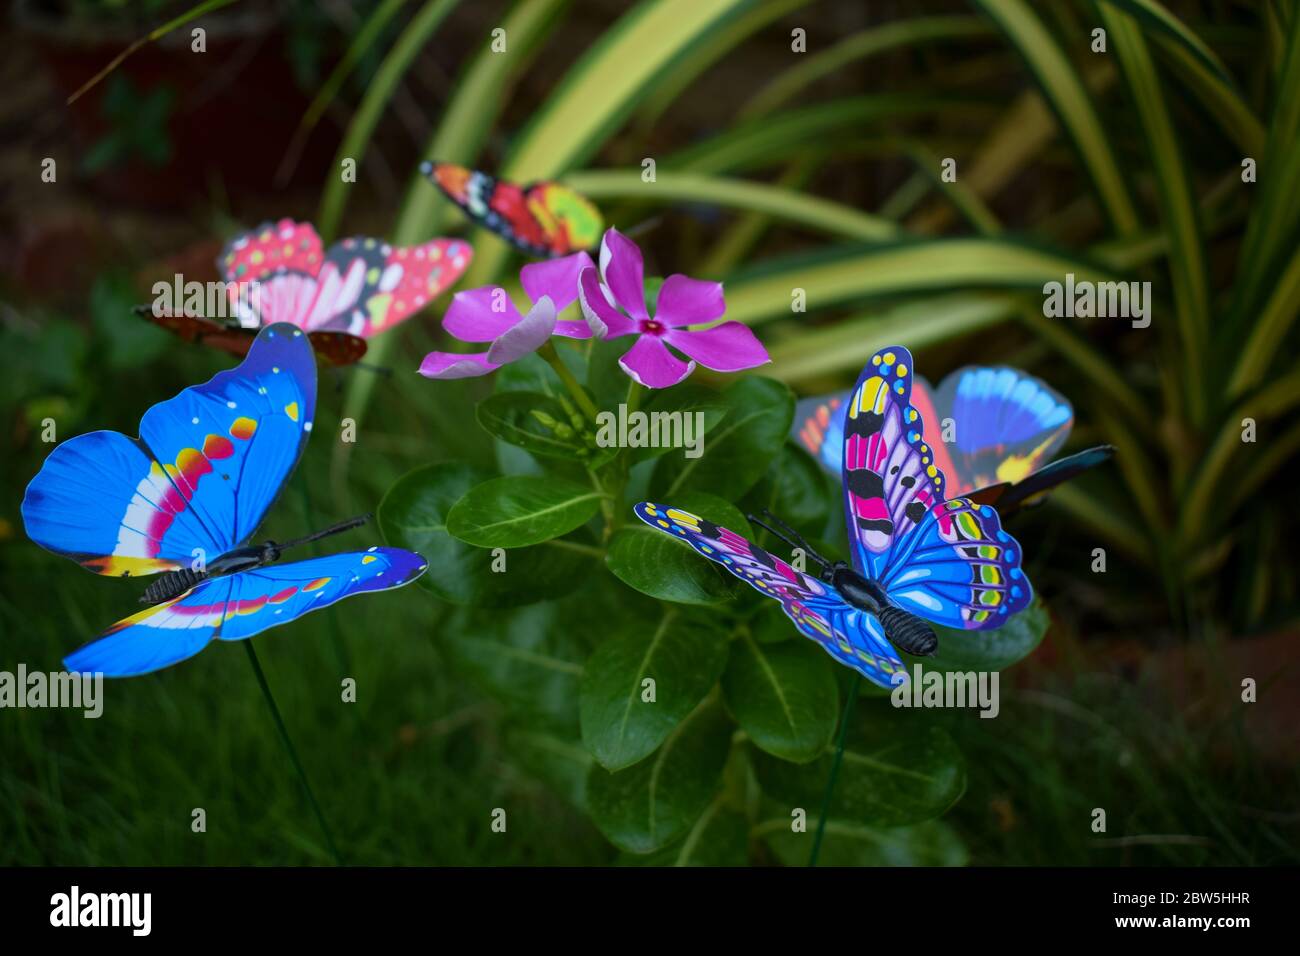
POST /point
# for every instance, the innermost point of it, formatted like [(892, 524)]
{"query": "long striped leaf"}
[(1177, 203), (674, 186), (599, 92), (1068, 96), (880, 39), (362, 128), (840, 276)]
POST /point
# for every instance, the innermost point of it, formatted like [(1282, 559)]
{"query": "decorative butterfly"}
[(1007, 426), (543, 219), (342, 296), (915, 554), (184, 498)]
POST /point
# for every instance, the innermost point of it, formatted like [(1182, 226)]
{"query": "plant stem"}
[(288, 746), (580, 396), (835, 771)]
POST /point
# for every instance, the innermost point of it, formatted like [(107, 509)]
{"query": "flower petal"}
[(472, 318), (622, 271), (573, 328), (527, 335), (728, 347), (555, 278), (651, 364), (605, 320), (445, 365), (687, 301)]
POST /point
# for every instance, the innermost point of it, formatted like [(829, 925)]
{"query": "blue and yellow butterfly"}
[(916, 555), (183, 500), (1007, 426)]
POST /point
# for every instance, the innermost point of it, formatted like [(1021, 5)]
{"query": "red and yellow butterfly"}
[(543, 219)]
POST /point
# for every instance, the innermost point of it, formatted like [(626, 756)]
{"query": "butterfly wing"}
[(933, 415), (1028, 490), (234, 340), (570, 221), (494, 204), (1008, 425), (819, 428), (196, 482), (853, 637), (959, 569), (411, 278), (237, 606), (889, 479)]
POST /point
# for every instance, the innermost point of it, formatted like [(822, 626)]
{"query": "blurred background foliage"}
[(776, 170)]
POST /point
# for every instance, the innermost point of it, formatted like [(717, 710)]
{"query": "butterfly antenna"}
[(382, 370), (791, 537), (642, 227), (339, 528)]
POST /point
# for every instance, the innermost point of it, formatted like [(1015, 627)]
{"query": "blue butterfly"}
[(1009, 424), (916, 554), (184, 498)]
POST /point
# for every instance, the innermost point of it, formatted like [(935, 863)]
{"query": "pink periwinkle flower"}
[(487, 315), (614, 304)]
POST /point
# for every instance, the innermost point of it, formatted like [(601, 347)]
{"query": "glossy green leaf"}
[(413, 514), (529, 658), (990, 650), (737, 450), (783, 695), (623, 720), (797, 490), (519, 510), (681, 400), (651, 804), (660, 565), (720, 837), (524, 419), (898, 769)]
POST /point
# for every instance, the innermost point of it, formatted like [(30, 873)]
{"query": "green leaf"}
[(655, 564), (667, 568), (599, 92), (684, 658), (647, 806), (783, 695), (897, 770), (990, 650), (519, 510), (796, 490), (413, 515), (677, 186), (849, 843), (529, 658), (510, 417), (737, 450), (1068, 96), (720, 837), (685, 399), (839, 275), (561, 763)]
